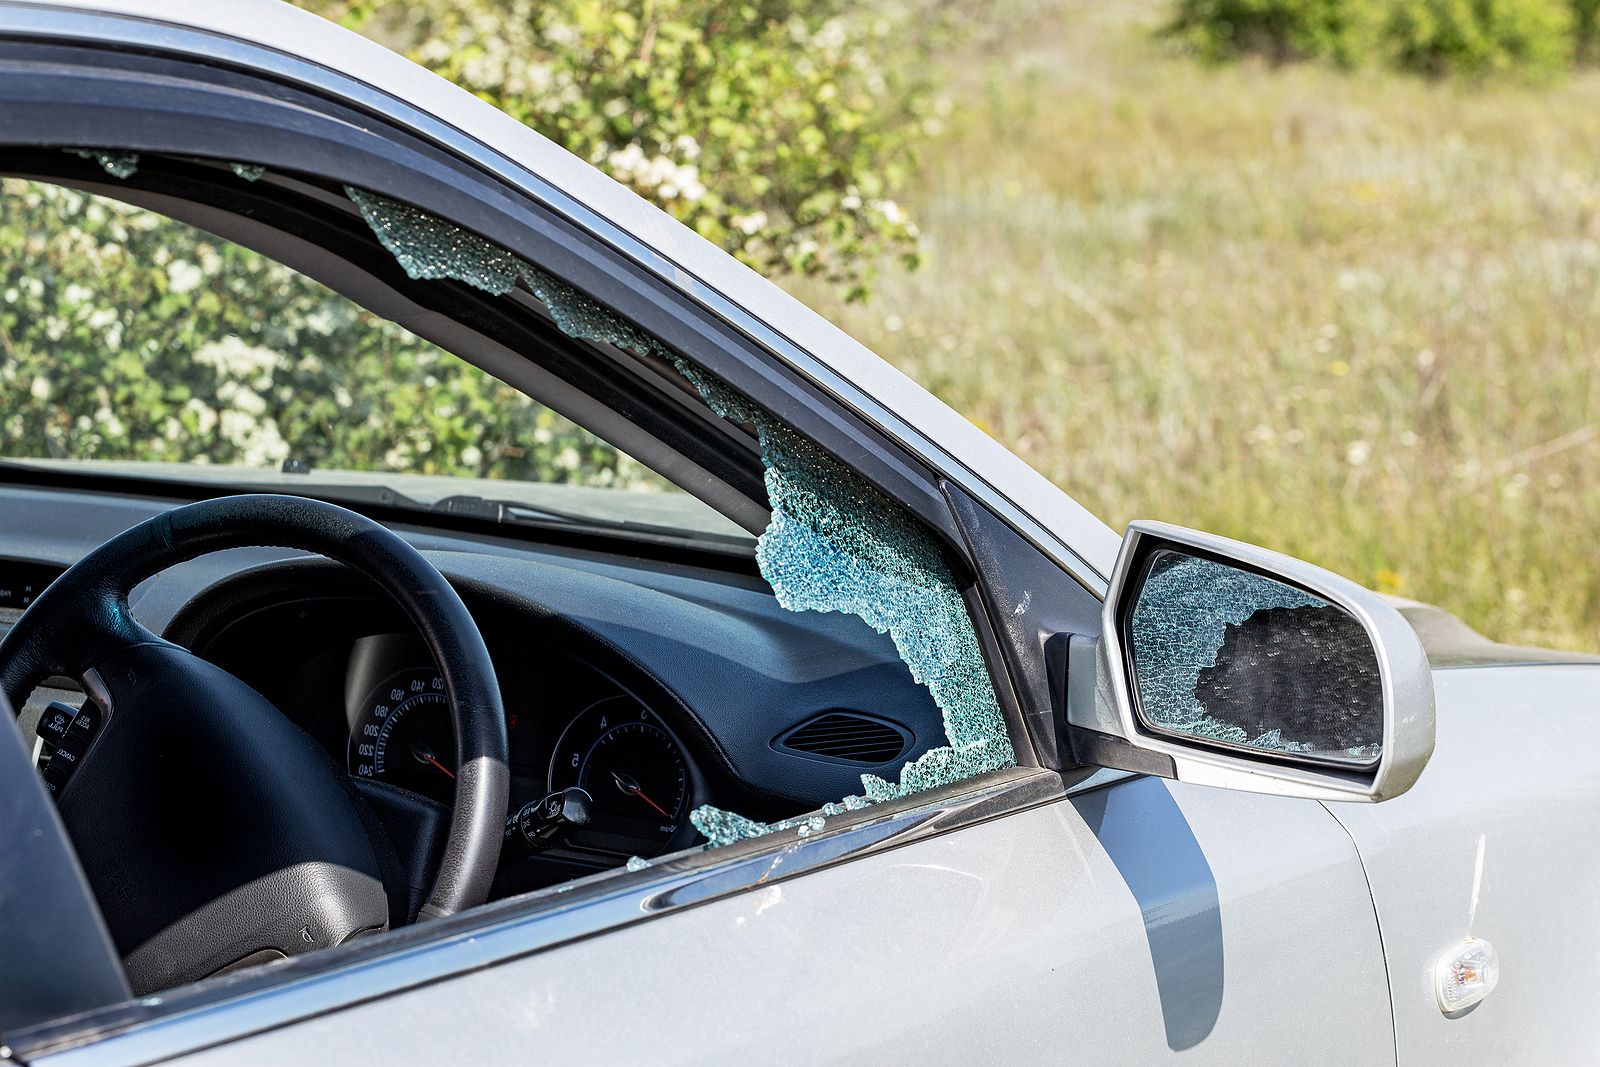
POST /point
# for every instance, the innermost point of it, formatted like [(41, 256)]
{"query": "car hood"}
[(668, 509), (1449, 642)]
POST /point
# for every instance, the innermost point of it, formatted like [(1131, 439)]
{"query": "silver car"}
[(654, 673)]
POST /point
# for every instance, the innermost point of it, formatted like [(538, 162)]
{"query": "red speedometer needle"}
[(631, 787), (640, 794), (423, 754)]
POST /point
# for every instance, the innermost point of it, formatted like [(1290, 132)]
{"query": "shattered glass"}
[(116, 164), (1226, 654), (429, 248), (250, 172), (834, 542), (725, 827)]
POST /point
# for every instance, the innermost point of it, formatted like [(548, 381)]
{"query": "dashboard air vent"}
[(847, 736)]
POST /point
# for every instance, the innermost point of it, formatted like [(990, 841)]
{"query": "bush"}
[(1476, 38), (1342, 31), (1481, 37), (779, 129), (1586, 31), (128, 336)]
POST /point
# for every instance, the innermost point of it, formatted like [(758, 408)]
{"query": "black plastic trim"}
[(786, 740), (1028, 603), (59, 958)]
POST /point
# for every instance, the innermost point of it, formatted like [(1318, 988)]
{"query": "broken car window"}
[(834, 542)]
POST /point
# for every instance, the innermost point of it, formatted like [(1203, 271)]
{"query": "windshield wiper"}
[(492, 509)]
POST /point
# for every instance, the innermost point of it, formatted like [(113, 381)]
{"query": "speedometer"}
[(623, 756), (404, 737)]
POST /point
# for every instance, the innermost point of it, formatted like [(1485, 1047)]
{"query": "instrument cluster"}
[(572, 728)]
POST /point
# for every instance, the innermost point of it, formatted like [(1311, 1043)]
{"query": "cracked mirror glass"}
[(1235, 658)]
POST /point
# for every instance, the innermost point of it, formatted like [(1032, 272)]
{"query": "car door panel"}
[(1468, 851), (1141, 922)]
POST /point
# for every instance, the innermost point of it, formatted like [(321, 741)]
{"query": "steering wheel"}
[(214, 832)]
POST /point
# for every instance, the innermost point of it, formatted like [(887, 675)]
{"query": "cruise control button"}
[(67, 753), (82, 725), (55, 779)]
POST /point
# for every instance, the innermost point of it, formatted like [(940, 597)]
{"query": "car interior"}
[(366, 589)]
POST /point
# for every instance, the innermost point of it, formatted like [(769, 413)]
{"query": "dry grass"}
[(1354, 318)]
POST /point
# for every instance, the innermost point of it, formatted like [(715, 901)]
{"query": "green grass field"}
[(1352, 317)]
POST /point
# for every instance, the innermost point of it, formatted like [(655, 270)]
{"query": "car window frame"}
[(435, 177)]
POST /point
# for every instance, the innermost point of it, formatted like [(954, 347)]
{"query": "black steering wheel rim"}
[(83, 618)]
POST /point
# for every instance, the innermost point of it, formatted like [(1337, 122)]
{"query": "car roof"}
[(1041, 511)]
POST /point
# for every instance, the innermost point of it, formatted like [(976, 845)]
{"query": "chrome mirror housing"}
[(1225, 664)]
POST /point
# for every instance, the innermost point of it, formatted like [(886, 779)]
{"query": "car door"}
[(1048, 911), (1137, 921)]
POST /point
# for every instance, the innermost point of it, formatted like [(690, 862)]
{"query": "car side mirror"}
[(1226, 664)]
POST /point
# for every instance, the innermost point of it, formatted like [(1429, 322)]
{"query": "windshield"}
[(135, 345)]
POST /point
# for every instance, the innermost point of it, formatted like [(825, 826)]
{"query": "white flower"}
[(183, 276), (233, 357), (206, 418), (237, 426), (259, 442), (471, 456), (41, 388), (1358, 453), (626, 160), (250, 402), (108, 422)]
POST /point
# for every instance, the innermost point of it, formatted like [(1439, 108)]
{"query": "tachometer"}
[(404, 737), (622, 755)]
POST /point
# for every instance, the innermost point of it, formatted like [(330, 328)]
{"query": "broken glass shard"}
[(725, 827), (116, 164), (427, 247)]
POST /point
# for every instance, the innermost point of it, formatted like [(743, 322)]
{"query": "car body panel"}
[(1515, 782), (1065, 932)]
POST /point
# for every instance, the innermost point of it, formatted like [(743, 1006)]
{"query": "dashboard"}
[(655, 686), (344, 664)]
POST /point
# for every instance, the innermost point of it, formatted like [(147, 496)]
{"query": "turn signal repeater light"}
[(1466, 972)]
